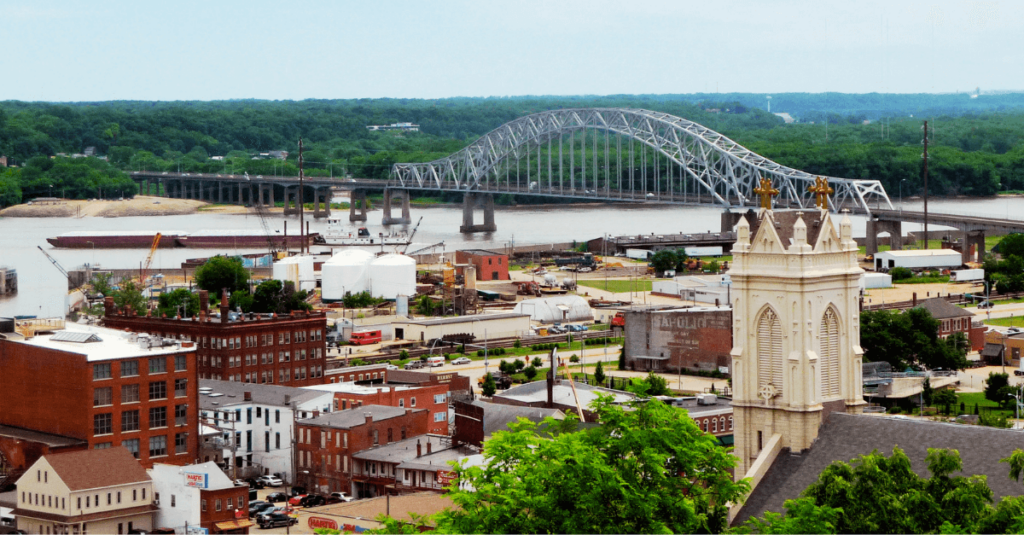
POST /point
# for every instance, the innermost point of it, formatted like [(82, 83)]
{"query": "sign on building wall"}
[(199, 481), (445, 477), (319, 522)]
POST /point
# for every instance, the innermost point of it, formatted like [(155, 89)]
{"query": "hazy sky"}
[(207, 50)]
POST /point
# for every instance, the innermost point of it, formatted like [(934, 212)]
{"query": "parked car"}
[(985, 304), (462, 360), (296, 500), (271, 481), (391, 367), (276, 510), (240, 483), (263, 508), (341, 496), (297, 490), (275, 497), (415, 365), (255, 483), (276, 520), (313, 500)]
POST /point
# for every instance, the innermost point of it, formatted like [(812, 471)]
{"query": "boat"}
[(100, 239), (241, 239), (203, 239), (338, 234)]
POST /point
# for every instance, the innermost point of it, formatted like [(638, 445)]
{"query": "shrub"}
[(900, 273), (403, 354), (530, 372), (895, 410), (519, 364), (574, 359), (517, 344), (537, 362), (479, 352)]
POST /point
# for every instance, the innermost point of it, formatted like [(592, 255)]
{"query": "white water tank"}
[(296, 269), (392, 275), (344, 273)]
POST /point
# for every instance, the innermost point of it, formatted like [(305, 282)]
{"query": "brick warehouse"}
[(431, 397), (670, 338), (251, 348), (490, 266), (106, 388), (325, 444)]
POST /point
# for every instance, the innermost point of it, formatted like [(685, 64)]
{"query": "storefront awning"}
[(234, 524)]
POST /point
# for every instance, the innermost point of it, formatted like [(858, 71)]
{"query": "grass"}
[(618, 286), (1005, 322), (931, 279), (598, 327), (969, 399)]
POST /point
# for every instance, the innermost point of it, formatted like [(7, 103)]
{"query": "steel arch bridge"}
[(692, 164)]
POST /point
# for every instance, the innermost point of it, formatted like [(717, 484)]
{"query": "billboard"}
[(199, 481)]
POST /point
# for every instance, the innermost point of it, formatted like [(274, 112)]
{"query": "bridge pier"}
[(357, 197), (389, 195), (973, 238), (876, 227), (469, 202), (292, 194), (323, 194)]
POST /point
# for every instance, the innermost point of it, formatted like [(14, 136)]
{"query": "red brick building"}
[(490, 266), (105, 388), (458, 385), (251, 348), (372, 373), (431, 397), (326, 443), (953, 319)]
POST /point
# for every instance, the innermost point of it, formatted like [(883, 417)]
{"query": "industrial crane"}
[(149, 259), (64, 272), (266, 227), (413, 233)]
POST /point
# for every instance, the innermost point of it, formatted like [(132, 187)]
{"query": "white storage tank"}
[(296, 269), (344, 273), (392, 275)]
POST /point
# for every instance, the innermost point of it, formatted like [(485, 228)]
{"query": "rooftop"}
[(439, 460), (919, 252), (466, 319), (51, 440), (941, 309), (233, 393), (403, 450), (497, 416), (349, 387), (420, 503), (537, 391), (350, 418), (93, 469), (481, 252), (107, 344)]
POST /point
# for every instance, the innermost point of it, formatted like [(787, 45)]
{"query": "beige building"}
[(504, 325), (796, 342), (89, 491)]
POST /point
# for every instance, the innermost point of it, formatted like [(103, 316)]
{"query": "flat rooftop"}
[(99, 343), (349, 387), (216, 395), (466, 319)]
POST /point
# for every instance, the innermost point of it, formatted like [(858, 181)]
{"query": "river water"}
[(42, 287)]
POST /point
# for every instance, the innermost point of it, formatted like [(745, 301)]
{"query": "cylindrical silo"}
[(344, 273), (392, 275)]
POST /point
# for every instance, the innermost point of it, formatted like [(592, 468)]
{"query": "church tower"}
[(796, 336)]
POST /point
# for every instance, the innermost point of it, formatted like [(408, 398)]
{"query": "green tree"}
[(622, 358), (927, 391), (10, 187), (425, 306), (128, 295), (489, 388), (652, 385), (994, 386), (530, 372), (517, 344), (221, 272), (537, 362), (101, 283), (180, 302), (664, 260), (906, 339), (900, 273), (574, 359), (944, 398), (599, 376), (623, 476), (519, 364), (1012, 244), (277, 297), (241, 299)]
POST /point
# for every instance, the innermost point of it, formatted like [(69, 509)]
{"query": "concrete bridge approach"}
[(972, 229)]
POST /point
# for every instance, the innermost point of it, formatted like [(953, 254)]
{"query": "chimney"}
[(419, 448), (224, 308), (369, 418), (204, 303), (316, 413), (428, 445), (247, 396), (287, 399), (108, 306)]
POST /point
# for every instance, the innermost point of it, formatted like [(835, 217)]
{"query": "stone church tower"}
[(796, 335)]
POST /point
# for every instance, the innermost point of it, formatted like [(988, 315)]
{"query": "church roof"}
[(844, 437), (784, 222)]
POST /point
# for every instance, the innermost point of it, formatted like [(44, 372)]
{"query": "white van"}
[(434, 362)]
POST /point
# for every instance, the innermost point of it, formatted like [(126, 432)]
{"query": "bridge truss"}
[(624, 154)]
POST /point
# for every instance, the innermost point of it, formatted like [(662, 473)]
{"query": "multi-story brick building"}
[(326, 443), (411, 465), (953, 319), (433, 398), (661, 338), (250, 348), (106, 388), (490, 265)]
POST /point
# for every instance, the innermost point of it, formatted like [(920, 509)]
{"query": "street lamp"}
[(1016, 407)]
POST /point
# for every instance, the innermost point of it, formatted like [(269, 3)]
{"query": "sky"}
[(220, 49)]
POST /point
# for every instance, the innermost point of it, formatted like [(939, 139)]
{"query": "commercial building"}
[(458, 385), (559, 395), (953, 319), (673, 338), (257, 424), (370, 373), (410, 465), (490, 265), (473, 327), (326, 444), (712, 290), (434, 398), (104, 388), (199, 496), (89, 491), (250, 348)]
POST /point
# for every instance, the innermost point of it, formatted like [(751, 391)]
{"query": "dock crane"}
[(266, 227), (64, 272), (149, 259), (412, 234)]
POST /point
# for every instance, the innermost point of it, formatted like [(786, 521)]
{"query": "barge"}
[(119, 239), (203, 239)]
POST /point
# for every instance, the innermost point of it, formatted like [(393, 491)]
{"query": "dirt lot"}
[(140, 205), (905, 292)]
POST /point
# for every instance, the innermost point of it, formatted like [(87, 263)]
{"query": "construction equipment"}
[(426, 249), (411, 234), (261, 212), (149, 260), (527, 288), (60, 268)]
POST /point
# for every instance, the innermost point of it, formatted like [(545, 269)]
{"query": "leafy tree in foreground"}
[(222, 272), (489, 388), (178, 302), (646, 470)]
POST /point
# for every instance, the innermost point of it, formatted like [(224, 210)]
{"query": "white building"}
[(559, 308), (918, 259), (262, 420), (713, 290), (179, 493)]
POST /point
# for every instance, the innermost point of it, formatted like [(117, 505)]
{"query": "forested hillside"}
[(977, 142)]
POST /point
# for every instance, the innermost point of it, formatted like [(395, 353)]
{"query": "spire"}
[(742, 235)]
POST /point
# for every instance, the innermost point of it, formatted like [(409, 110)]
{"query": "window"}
[(158, 365), (173, 504), (277, 440), (266, 440), (135, 495), (439, 398), (277, 416), (180, 445), (828, 337), (714, 425), (101, 371), (216, 506), (129, 368), (132, 445), (110, 498), (157, 417), (102, 396), (769, 351), (412, 402), (248, 416), (204, 506), (158, 390), (102, 424), (103, 445), (180, 414), (129, 421), (180, 364), (118, 496), (401, 402), (376, 438), (439, 417), (129, 393), (157, 447)]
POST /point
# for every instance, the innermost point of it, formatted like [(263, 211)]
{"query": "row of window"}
[(236, 416), (263, 340), (103, 424), (104, 396), (157, 445), (217, 503), (340, 462), (216, 361), (130, 368), (715, 424), (352, 376), (90, 501)]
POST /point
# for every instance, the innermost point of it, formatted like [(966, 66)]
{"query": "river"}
[(41, 286)]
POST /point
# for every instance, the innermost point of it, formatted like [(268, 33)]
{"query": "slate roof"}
[(941, 309), (93, 469), (843, 437), (497, 416), (350, 418)]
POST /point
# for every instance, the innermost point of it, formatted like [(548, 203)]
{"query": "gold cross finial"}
[(821, 190), (766, 192)]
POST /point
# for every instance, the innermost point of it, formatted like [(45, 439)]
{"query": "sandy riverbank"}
[(140, 205)]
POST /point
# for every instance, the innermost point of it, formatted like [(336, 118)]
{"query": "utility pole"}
[(926, 185), (302, 236)]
